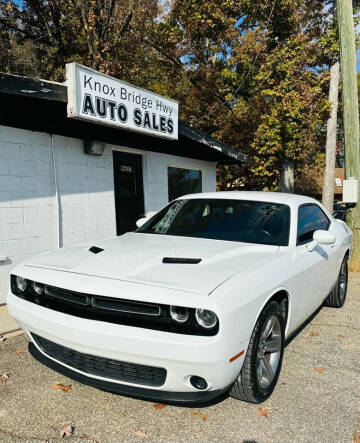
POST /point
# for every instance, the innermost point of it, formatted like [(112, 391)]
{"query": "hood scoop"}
[(95, 249), (180, 260)]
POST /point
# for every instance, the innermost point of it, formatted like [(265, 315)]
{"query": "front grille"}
[(103, 367), (106, 303), (67, 296), (130, 307)]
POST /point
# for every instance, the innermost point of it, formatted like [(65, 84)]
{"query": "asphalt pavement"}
[(317, 398)]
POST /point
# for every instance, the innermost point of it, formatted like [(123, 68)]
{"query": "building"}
[(67, 181), (310, 183)]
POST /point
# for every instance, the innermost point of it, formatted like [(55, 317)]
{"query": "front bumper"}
[(186, 398), (181, 355)]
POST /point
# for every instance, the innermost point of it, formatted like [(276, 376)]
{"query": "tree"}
[(103, 34), (253, 78), (330, 160), (332, 123)]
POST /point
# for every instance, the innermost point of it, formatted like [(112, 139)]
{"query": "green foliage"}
[(104, 34), (256, 76)]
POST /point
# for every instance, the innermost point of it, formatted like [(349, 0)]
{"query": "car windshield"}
[(223, 219)]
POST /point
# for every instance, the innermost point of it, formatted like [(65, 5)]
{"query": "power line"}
[(47, 34)]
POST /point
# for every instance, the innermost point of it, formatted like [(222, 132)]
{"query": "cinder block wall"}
[(28, 203)]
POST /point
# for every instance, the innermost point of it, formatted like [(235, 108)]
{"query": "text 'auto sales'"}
[(143, 114)]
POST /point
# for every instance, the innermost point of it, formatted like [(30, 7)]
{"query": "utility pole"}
[(351, 115)]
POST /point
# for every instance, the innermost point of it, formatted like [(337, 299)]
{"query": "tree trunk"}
[(351, 115), (329, 172), (287, 176)]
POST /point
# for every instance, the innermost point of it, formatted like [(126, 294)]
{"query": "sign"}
[(102, 99), (338, 182)]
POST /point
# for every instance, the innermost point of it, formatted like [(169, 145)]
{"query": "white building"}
[(54, 190)]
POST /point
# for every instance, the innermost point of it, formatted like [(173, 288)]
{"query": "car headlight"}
[(38, 288), (21, 283), (207, 319), (179, 314)]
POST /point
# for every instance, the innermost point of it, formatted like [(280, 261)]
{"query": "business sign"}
[(102, 99)]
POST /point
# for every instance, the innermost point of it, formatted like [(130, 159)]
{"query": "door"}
[(318, 265), (129, 192)]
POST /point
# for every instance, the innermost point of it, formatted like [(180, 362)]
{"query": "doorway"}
[(129, 191)]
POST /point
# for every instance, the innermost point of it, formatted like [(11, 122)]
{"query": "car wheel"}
[(337, 296), (262, 364)]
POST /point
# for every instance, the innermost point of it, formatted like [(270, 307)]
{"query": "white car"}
[(197, 302)]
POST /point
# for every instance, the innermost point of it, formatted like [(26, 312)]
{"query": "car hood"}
[(138, 257)]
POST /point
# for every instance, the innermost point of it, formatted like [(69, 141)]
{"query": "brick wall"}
[(28, 204)]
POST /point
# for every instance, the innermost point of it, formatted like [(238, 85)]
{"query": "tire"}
[(254, 383), (336, 298)]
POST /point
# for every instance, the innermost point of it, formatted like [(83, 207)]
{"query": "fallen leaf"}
[(4, 377), (340, 336), (67, 432), (312, 334), (139, 433), (20, 351), (263, 412), (356, 435), (2, 338), (62, 387), (198, 414), (319, 370), (159, 406), (122, 411)]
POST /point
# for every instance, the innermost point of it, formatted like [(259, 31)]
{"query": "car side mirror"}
[(321, 237)]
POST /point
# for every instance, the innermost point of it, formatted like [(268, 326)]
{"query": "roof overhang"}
[(40, 105)]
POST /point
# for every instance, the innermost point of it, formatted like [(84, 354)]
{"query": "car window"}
[(223, 219), (310, 219)]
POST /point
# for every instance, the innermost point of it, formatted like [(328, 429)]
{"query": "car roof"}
[(273, 197)]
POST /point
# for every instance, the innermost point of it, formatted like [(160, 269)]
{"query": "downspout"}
[(57, 197)]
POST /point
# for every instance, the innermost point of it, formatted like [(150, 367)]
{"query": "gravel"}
[(308, 404)]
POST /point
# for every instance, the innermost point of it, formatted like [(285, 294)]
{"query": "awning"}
[(40, 105)]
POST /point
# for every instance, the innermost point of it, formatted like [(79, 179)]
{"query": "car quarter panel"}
[(246, 294)]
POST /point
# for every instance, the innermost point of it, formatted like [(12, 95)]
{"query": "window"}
[(310, 219), (183, 181), (223, 219)]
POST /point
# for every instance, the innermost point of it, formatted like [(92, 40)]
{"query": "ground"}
[(317, 398)]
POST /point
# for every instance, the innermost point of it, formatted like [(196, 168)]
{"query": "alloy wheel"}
[(269, 351), (343, 280)]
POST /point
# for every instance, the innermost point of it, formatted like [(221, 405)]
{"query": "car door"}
[(318, 264)]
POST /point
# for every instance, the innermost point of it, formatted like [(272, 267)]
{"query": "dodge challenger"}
[(196, 303)]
